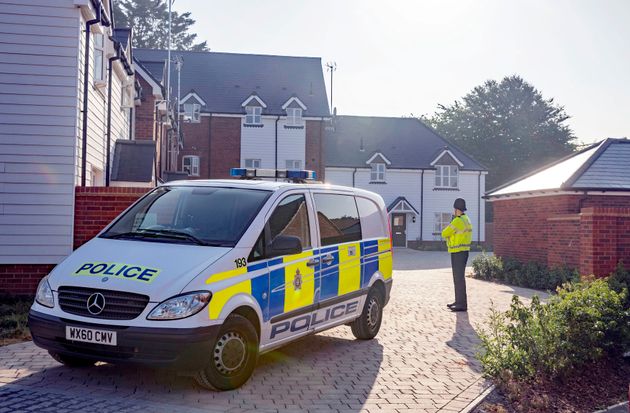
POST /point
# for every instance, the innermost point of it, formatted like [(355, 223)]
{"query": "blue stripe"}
[(260, 286), (276, 298), (329, 279), (257, 266)]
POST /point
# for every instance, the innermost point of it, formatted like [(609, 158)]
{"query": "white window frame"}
[(377, 173), (193, 167), (98, 69), (192, 112), (294, 164), (294, 117), (252, 163), (127, 96), (253, 115), (447, 176), (440, 221)]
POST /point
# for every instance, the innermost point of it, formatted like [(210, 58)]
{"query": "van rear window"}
[(201, 215), (338, 218)]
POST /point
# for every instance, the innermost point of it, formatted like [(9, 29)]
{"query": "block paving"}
[(423, 360)]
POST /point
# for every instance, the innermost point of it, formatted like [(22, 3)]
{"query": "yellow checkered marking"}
[(305, 295), (349, 268)]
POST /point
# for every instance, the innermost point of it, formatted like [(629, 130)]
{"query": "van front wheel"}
[(234, 355), (368, 324)]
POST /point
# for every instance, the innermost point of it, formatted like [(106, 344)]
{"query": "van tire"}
[(71, 361), (368, 324), (239, 336)]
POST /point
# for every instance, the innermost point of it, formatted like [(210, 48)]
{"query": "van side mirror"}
[(285, 245)]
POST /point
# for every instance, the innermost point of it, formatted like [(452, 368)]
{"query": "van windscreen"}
[(186, 214)]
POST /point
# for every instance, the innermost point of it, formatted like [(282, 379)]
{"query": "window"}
[(190, 164), (294, 117), (192, 112), (372, 225), (192, 215), (99, 58), (253, 115), (252, 163), (338, 218), (442, 219), (294, 164), (378, 172), (446, 176), (127, 94), (291, 218)]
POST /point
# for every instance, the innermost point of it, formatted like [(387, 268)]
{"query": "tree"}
[(149, 20), (508, 126)]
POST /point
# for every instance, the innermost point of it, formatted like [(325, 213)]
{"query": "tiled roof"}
[(225, 80), (602, 166), (406, 142)]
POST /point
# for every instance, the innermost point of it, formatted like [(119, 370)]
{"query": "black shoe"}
[(451, 305), (457, 308)]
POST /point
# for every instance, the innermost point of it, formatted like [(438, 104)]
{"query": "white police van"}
[(204, 276)]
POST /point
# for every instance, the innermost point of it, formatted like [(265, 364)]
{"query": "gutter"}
[(479, 207), (421, 203), (109, 111), (276, 139), (100, 18)]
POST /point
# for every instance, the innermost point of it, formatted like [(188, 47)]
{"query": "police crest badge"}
[(297, 280)]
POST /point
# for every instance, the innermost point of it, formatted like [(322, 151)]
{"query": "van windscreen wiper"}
[(162, 233)]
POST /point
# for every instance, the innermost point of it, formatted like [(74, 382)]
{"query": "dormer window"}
[(294, 117), (253, 115), (377, 173), (192, 112)]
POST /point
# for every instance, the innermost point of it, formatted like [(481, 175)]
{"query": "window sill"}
[(253, 125), (445, 189), (378, 182), (294, 126)]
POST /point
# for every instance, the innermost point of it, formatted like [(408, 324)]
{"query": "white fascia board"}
[(252, 97), (291, 100), (192, 94), (155, 87), (387, 161), (444, 152)]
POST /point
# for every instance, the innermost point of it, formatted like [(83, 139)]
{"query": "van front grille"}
[(118, 305)]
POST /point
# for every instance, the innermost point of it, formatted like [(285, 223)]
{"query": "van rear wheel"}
[(366, 327), (71, 361), (234, 355)]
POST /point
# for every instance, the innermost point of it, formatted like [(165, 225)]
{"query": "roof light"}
[(291, 174)]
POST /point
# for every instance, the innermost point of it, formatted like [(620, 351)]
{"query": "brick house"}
[(575, 212), (240, 110), (417, 172)]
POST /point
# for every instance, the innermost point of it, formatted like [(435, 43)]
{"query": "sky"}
[(396, 58)]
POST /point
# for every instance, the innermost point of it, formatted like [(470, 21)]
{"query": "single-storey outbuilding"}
[(574, 212)]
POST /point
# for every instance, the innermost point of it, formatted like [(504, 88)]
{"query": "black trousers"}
[(458, 262)]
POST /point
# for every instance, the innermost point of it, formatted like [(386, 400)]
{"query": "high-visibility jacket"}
[(458, 234)]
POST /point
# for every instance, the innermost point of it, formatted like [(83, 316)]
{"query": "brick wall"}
[(145, 121), (591, 233), (314, 147), (225, 146), (197, 142), (95, 207)]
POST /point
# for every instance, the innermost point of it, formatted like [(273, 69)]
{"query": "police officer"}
[(458, 236)]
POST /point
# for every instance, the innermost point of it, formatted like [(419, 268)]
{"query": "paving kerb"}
[(422, 360)]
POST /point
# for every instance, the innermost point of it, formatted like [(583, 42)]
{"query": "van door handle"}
[(327, 259), (312, 262)]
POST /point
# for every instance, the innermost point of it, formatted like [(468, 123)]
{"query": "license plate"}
[(89, 335)]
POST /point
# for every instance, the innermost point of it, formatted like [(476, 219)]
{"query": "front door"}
[(399, 230)]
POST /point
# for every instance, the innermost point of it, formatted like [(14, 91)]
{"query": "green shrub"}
[(583, 323), (619, 281), (530, 275)]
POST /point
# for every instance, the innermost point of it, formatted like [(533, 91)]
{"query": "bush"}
[(530, 275), (583, 323), (14, 317), (619, 281)]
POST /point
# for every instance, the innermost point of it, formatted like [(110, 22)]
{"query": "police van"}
[(205, 275)]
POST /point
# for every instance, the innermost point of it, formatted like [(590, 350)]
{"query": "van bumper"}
[(388, 290), (179, 348)]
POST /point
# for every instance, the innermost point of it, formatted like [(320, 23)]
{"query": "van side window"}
[(338, 218), (371, 219), (291, 218)]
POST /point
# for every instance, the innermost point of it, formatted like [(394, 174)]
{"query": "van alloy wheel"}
[(229, 353), (368, 324), (373, 313)]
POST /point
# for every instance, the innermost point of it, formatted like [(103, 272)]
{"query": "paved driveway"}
[(422, 360)]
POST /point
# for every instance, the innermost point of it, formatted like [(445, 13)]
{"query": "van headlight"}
[(180, 306), (44, 294)]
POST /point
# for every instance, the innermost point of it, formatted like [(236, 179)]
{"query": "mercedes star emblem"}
[(96, 303)]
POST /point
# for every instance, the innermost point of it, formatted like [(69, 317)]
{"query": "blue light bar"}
[(290, 174)]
